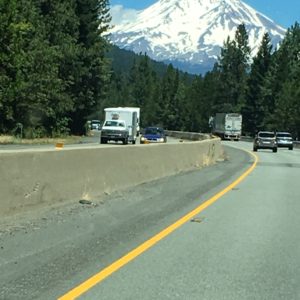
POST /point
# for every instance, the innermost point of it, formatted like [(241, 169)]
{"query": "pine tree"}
[(169, 88), (92, 74), (194, 105), (33, 69), (254, 110), (286, 110), (233, 67), (55, 58), (8, 12)]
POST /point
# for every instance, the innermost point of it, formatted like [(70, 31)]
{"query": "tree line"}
[(53, 70), (265, 88), (57, 72)]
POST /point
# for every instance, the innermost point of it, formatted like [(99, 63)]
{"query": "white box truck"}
[(228, 126), (123, 111), (121, 124)]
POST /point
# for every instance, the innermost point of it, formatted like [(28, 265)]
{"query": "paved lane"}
[(45, 253), (245, 246), (85, 142)]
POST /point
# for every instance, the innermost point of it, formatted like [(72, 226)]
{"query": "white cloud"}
[(121, 15)]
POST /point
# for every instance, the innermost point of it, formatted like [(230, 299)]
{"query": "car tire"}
[(254, 149), (291, 148), (103, 141), (125, 141), (133, 142), (274, 150)]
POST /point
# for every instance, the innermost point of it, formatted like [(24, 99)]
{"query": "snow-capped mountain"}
[(189, 33)]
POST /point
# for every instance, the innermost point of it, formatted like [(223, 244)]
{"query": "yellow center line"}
[(97, 278)]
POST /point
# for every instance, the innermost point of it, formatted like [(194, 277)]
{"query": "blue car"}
[(153, 135)]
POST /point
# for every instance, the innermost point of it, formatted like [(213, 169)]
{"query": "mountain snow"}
[(189, 33)]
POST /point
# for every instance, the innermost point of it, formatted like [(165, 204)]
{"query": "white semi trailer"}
[(228, 126)]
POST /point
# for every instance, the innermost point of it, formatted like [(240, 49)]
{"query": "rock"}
[(85, 202)]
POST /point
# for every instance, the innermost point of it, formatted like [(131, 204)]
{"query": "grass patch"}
[(8, 139)]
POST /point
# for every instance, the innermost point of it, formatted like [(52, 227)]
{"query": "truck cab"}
[(114, 130)]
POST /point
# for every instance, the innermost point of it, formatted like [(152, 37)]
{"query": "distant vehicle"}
[(227, 126), (265, 140), (123, 113), (284, 139), (153, 135), (95, 125), (120, 125)]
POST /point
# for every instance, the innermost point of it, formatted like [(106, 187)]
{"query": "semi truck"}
[(121, 124), (227, 126)]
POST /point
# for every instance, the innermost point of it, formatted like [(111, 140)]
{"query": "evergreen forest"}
[(58, 70)]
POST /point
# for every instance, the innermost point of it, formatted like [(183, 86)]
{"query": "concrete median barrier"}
[(43, 178), (193, 136)]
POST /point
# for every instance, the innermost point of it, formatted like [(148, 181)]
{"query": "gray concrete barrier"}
[(194, 136), (42, 178)]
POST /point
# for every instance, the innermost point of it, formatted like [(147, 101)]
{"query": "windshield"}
[(153, 131), (284, 135), (114, 124), (266, 134)]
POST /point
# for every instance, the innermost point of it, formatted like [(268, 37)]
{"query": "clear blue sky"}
[(283, 12)]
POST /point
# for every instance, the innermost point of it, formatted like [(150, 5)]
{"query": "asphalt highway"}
[(85, 142), (245, 245)]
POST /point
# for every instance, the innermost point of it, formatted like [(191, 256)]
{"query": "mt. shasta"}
[(190, 33)]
